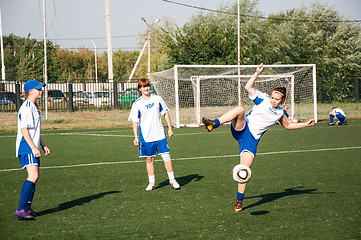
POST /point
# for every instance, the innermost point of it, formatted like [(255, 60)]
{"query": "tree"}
[(24, 58)]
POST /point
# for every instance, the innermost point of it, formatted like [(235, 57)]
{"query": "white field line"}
[(100, 134), (191, 158)]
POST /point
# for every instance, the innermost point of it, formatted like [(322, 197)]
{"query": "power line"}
[(261, 17), (88, 38)]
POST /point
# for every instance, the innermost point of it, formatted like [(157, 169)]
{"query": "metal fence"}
[(72, 96)]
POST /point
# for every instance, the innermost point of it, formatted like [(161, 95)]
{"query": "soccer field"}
[(306, 184)]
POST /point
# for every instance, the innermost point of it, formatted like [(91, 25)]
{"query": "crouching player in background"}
[(339, 114), (146, 112), (248, 129), (28, 142)]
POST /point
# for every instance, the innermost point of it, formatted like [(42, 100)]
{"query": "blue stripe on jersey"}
[(141, 138), (24, 147), (137, 99), (249, 113), (20, 116), (258, 100), (160, 107)]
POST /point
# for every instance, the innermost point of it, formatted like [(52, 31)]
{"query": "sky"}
[(73, 23)]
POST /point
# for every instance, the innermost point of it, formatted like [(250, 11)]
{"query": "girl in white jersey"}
[(145, 113), (248, 129), (28, 142)]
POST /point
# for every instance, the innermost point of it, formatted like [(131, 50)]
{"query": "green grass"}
[(294, 193)]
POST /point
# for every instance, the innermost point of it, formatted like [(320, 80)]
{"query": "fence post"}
[(115, 94), (70, 97), (18, 93), (357, 90)]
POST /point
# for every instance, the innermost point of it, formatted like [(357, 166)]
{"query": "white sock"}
[(170, 175), (151, 179)]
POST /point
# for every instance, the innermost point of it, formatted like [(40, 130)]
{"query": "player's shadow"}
[(269, 197), (182, 180), (76, 202)]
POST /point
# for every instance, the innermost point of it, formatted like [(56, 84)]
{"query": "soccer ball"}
[(241, 173)]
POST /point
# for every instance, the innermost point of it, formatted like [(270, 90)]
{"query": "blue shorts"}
[(245, 140), (341, 118), (28, 159), (150, 149)]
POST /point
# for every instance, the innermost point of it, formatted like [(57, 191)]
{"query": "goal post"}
[(194, 91)]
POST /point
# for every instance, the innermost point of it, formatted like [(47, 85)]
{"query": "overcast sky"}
[(73, 23)]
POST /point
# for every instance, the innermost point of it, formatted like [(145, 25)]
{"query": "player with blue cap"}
[(28, 143)]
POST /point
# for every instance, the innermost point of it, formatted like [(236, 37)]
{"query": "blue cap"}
[(32, 84)]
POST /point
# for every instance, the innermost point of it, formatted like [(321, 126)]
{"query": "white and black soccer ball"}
[(241, 173)]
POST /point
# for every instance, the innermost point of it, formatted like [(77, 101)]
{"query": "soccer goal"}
[(195, 91)]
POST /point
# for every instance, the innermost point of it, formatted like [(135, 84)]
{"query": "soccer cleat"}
[(238, 206), (150, 187), (331, 124), (22, 214), (174, 183), (208, 123), (33, 213)]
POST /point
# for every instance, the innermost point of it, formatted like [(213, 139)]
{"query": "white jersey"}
[(339, 111), (28, 117), (263, 115), (146, 113)]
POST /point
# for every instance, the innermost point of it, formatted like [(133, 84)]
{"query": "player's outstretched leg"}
[(210, 124)]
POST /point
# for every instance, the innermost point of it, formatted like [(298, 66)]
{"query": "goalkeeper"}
[(248, 129)]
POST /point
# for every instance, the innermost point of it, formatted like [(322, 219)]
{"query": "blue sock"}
[(30, 200), (216, 123), (331, 118), (240, 196), (25, 193)]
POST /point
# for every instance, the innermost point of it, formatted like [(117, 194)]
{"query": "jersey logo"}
[(150, 105), (273, 111)]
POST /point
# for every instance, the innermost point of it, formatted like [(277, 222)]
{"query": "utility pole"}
[(109, 42), (45, 64), (147, 42), (95, 53), (2, 51)]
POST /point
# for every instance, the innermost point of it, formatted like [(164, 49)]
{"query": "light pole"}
[(95, 53), (2, 51), (148, 37), (147, 42)]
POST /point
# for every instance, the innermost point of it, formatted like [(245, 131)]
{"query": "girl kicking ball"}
[(28, 143), (248, 129)]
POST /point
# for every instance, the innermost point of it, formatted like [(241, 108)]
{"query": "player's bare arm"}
[(167, 119), (249, 86), (135, 132), (44, 147), (289, 126)]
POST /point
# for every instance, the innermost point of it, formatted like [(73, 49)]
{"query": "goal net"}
[(195, 91)]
